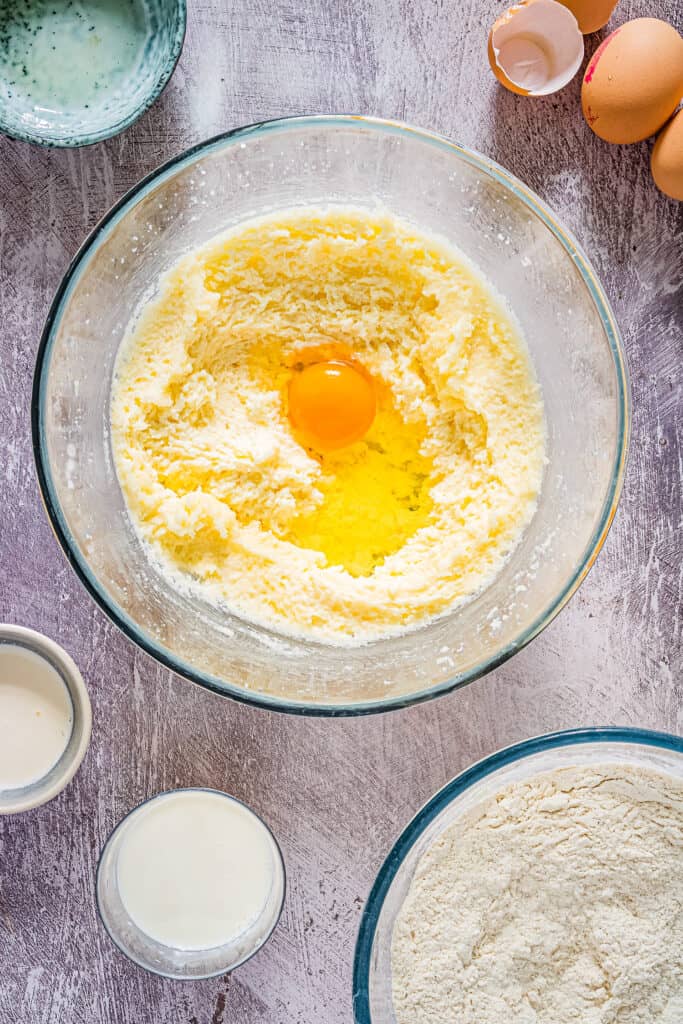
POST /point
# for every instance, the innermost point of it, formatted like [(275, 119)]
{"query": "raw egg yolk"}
[(331, 404)]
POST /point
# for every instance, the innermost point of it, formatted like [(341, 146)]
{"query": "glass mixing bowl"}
[(517, 243), (372, 1000)]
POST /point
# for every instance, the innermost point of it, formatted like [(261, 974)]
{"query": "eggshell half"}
[(591, 14), (535, 47), (667, 158), (633, 81)]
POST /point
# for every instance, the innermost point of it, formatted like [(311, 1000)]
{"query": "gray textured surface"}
[(335, 792)]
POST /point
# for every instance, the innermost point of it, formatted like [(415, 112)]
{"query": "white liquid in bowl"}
[(36, 716), (195, 869)]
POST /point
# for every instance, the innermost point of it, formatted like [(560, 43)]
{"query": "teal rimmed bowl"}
[(372, 998), (517, 243), (72, 74)]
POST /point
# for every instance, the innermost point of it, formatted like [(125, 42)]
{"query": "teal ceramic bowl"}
[(74, 72)]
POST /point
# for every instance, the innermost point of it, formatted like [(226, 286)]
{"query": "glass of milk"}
[(45, 719), (190, 884)]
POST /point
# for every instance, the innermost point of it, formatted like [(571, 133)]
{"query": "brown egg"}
[(591, 14), (634, 81), (667, 158)]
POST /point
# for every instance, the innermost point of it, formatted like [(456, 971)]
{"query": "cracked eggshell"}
[(535, 47), (591, 14), (634, 81), (666, 162)]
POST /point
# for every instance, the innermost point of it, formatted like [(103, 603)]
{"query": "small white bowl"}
[(13, 801)]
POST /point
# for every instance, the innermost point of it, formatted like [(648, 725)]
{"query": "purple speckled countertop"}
[(335, 792)]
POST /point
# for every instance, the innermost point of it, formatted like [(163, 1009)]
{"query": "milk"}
[(196, 869), (36, 716)]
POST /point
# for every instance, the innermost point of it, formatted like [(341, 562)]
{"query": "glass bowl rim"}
[(78, 141), (121, 823), (100, 232), (463, 781)]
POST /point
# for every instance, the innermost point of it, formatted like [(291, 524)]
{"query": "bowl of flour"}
[(543, 885)]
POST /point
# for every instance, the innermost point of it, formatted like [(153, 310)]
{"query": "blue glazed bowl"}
[(372, 998), (72, 75)]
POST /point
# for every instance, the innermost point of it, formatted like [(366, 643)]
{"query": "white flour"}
[(559, 900)]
